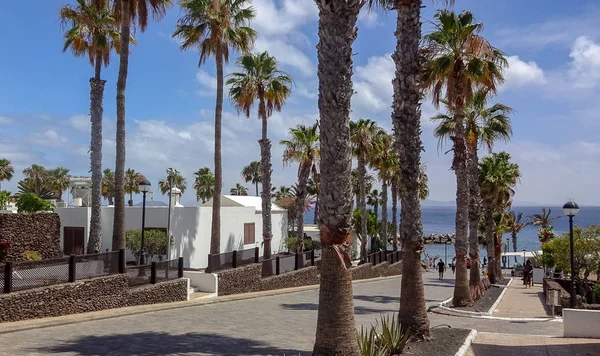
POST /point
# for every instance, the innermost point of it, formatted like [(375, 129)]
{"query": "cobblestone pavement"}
[(273, 325)]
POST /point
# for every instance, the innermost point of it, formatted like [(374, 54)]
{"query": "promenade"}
[(521, 302)]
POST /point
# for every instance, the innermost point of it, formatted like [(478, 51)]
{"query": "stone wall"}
[(565, 296), (36, 232), (248, 279), (86, 296)]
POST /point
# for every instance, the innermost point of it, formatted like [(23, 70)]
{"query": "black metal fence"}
[(384, 256), (286, 263), (17, 276), (233, 259)]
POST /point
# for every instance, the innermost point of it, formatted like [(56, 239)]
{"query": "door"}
[(73, 240)]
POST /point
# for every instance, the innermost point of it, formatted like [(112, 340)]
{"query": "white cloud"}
[(208, 83), (369, 18), (80, 122), (520, 73), (373, 84), (286, 54), (275, 18), (585, 65), (53, 137), (5, 120)]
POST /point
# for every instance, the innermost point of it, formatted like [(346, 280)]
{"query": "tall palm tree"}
[(261, 80), (423, 181), (369, 181), (176, 180), (459, 60), (93, 32), (362, 137), (215, 27), (36, 177), (238, 190), (543, 220), (283, 192), (384, 160), (515, 224), (374, 200), (57, 179), (6, 171), (253, 173), (483, 125), (394, 187), (497, 177), (132, 183), (314, 183), (302, 146), (204, 184), (108, 186), (336, 334), (127, 13)]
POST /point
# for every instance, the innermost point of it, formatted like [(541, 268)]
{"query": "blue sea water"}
[(440, 220)]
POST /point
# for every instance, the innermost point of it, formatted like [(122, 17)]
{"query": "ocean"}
[(440, 220)]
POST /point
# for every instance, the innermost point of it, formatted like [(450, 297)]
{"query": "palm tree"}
[(93, 32), (459, 60), (238, 190), (132, 183), (394, 187), (336, 333), (204, 184), (108, 185), (302, 146), (314, 183), (374, 200), (423, 181), (215, 27), (515, 224), (543, 220), (497, 177), (362, 137), (261, 80), (253, 173), (384, 160), (369, 181), (36, 177), (6, 171), (483, 125), (127, 13), (57, 179), (176, 180), (283, 192)]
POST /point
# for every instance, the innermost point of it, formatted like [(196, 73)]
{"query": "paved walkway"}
[(268, 325), (521, 302), (487, 344)]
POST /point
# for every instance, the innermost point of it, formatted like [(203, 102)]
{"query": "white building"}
[(241, 227)]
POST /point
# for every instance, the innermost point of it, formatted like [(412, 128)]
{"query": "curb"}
[(490, 311), (467, 344), (32, 324)]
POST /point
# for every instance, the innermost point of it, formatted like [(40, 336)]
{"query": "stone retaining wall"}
[(38, 232), (86, 296), (248, 279)]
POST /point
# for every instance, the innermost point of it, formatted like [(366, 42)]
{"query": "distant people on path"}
[(527, 274), (441, 268), (453, 265), (484, 261)]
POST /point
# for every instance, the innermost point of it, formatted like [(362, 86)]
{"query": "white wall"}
[(74, 217), (581, 323)]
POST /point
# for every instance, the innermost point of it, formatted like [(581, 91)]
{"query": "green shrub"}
[(155, 243), (391, 340), (31, 203), (32, 255), (291, 243), (597, 289), (4, 199)]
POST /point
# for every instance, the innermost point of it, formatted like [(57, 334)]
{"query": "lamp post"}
[(170, 178), (446, 250), (145, 187), (571, 209), (507, 250)]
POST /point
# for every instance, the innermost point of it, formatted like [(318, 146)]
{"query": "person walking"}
[(453, 265), (441, 268)]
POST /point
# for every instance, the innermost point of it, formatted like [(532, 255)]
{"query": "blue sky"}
[(554, 73)]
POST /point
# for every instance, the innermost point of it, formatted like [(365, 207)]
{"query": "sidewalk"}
[(490, 344), (521, 302)]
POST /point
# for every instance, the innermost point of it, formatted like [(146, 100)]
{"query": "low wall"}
[(205, 282), (87, 296), (581, 323), (38, 232), (565, 296), (248, 279)]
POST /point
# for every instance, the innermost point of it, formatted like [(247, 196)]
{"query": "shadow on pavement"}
[(563, 350), (357, 309), (378, 298), (156, 344)]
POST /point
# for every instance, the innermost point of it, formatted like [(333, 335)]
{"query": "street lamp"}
[(145, 187), (446, 250), (170, 179), (571, 209)]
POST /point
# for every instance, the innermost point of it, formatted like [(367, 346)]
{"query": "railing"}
[(232, 259), (17, 276), (384, 256), (282, 264)]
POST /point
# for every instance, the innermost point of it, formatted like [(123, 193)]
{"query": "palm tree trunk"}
[(384, 217), (316, 210), (498, 253), (215, 230), (514, 243), (336, 333), (118, 241), (474, 202), (406, 117), (489, 236), (96, 111), (303, 175), (362, 205), (256, 186), (265, 155), (376, 209), (394, 214)]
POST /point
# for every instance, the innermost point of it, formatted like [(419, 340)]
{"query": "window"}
[(249, 233)]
